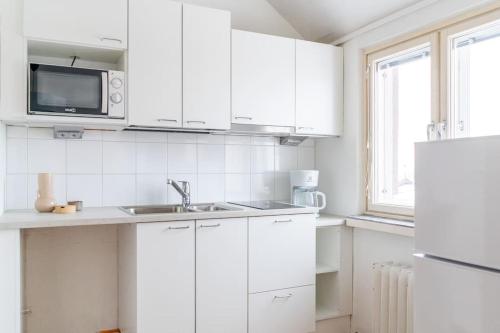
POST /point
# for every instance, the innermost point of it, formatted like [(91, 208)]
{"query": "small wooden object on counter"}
[(116, 330), (67, 209), (45, 201)]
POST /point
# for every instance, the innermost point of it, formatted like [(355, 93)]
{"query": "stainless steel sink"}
[(210, 208), (166, 209), (176, 209)]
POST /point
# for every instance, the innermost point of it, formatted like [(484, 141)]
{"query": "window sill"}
[(381, 224)]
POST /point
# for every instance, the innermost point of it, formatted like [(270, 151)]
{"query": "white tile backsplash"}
[(84, 157), (262, 158), (87, 188), (151, 158), (211, 158), (109, 168), (151, 189), (238, 187), (238, 158), (118, 190), (16, 188), (46, 156), (17, 156), (119, 157)]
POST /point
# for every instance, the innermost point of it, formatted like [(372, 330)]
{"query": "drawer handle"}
[(178, 228), (196, 122), (282, 297), (168, 120), (210, 226), (247, 118), (111, 39), (306, 128), (283, 221)]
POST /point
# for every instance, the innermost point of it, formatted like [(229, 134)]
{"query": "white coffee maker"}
[(304, 189)]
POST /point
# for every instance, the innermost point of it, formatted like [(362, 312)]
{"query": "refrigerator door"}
[(451, 298), (457, 204)]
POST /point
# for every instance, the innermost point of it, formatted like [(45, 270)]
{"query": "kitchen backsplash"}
[(123, 168)]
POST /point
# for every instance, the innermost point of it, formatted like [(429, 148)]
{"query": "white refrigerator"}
[(457, 236)]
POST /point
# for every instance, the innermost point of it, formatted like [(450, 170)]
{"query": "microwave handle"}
[(104, 96)]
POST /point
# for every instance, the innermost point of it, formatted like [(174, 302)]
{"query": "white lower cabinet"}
[(281, 252), (234, 275), (166, 277), (282, 311), (221, 276)]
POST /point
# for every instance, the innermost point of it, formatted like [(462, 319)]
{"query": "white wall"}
[(341, 160), (125, 168), (252, 15), (2, 166)]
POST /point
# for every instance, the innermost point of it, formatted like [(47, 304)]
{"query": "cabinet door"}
[(282, 311), (319, 89), (166, 277), (282, 252), (206, 67), (221, 276), (155, 63), (263, 79), (90, 22)]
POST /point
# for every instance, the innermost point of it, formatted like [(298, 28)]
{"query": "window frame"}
[(377, 56), (439, 36)]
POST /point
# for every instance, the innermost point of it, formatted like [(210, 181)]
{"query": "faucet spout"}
[(184, 189)]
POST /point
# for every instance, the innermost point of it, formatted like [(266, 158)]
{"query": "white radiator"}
[(392, 298)]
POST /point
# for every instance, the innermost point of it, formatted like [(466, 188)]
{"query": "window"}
[(400, 112), (475, 80), (443, 84)]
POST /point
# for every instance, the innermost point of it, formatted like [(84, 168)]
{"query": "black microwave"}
[(72, 91)]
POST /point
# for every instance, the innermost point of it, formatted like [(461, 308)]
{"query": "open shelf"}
[(325, 313), (324, 269)]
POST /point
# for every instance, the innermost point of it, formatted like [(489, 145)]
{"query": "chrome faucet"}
[(184, 190)]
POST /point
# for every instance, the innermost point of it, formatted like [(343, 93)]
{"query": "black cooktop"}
[(265, 205)]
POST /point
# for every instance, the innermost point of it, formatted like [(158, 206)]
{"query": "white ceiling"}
[(252, 15), (331, 19)]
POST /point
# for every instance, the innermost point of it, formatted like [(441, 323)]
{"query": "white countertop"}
[(328, 220), (25, 219)]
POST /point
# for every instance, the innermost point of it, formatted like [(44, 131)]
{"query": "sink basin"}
[(166, 209), (210, 208), (175, 209)]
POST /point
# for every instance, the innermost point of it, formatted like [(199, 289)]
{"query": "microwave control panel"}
[(116, 93)]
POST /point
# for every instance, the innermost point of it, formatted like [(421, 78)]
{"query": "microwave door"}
[(67, 90)]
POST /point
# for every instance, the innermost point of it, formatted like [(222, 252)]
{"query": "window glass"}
[(475, 82), (401, 112)]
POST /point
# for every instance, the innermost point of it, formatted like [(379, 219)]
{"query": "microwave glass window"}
[(67, 89)]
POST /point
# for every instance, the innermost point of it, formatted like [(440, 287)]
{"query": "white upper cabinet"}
[(90, 22), (263, 79), (155, 63), (206, 68), (319, 71)]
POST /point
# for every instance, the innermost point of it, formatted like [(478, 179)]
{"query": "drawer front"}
[(283, 311), (282, 252), (166, 277)]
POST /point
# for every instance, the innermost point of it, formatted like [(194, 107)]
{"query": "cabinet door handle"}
[(102, 39), (283, 221), (178, 228), (304, 128), (196, 122), (282, 297), (167, 120), (210, 225), (247, 118)]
